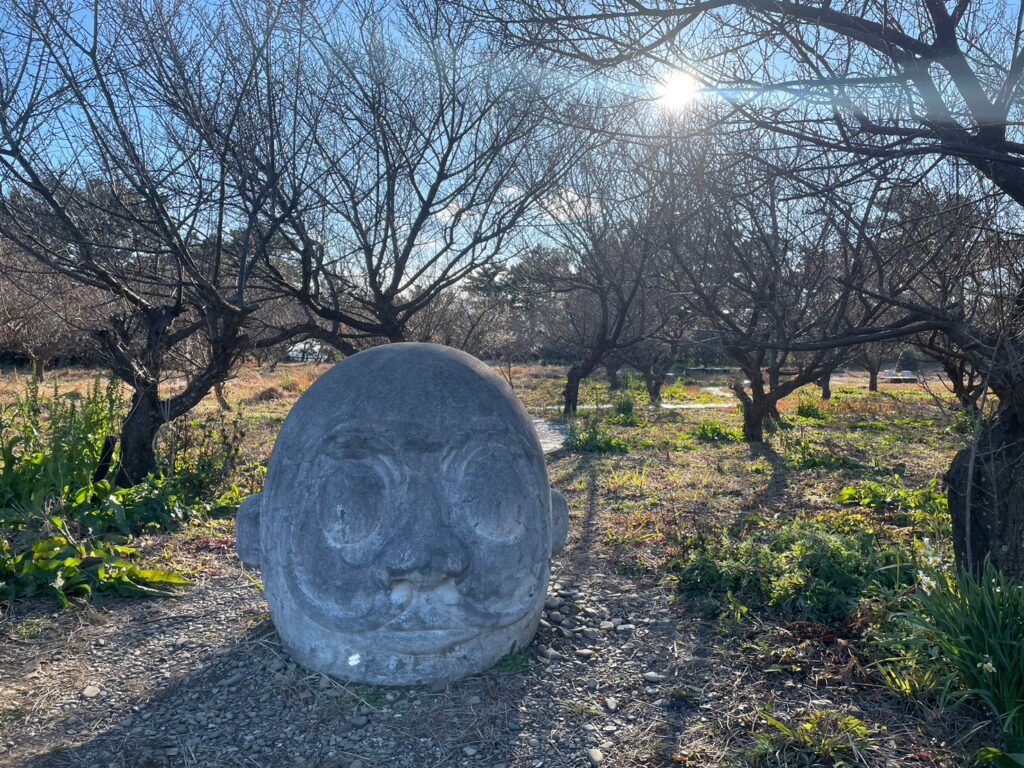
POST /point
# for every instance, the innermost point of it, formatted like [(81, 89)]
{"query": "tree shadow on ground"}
[(249, 705), (776, 495)]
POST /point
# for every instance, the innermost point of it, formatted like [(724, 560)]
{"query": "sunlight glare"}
[(677, 91)]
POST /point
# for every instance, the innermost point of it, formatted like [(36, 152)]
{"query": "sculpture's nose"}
[(423, 552)]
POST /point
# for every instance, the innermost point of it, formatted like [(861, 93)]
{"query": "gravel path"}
[(202, 681)]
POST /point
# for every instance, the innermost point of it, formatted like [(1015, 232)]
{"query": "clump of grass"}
[(824, 737), (627, 479), (810, 408), (802, 453), (594, 437), (711, 431), (625, 410), (515, 663), (977, 622)]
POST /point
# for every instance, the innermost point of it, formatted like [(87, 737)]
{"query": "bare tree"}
[(103, 183), (877, 80), (424, 163), (607, 222), (43, 314)]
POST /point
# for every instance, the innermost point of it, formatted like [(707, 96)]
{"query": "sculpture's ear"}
[(559, 521), (247, 530)]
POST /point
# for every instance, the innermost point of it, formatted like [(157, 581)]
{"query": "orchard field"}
[(718, 603)]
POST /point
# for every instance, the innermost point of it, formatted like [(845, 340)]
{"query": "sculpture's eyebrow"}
[(485, 428), (359, 437)]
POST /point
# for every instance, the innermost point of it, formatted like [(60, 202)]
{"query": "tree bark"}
[(753, 422), (38, 368), (612, 371), (572, 390), (872, 379), (985, 488), (653, 382), (138, 454), (967, 390), (756, 408), (218, 393), (825, 382)]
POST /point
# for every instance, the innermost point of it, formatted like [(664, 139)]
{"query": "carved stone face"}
[(407, 524)]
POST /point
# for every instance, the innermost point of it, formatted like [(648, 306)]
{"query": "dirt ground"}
[(625, 670)]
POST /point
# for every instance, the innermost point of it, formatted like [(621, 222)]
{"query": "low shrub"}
[(63, 523), (49, 445), (925, 508), (808, 568)]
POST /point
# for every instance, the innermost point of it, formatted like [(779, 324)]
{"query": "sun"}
[(677, 91)]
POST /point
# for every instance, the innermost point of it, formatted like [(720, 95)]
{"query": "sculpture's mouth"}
[(432, 621), (432, 641)]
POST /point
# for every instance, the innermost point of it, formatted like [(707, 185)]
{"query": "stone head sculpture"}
[(406, 527)]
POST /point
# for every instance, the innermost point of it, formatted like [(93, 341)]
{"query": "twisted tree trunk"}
[(138, 434), (985, 488)]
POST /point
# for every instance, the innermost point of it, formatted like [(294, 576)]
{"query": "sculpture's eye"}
[(355, 497), (489, 490)]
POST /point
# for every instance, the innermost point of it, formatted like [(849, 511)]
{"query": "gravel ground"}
[(203, 681), (618, 675)]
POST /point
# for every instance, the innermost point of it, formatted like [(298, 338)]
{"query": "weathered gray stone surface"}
[(406, 526)]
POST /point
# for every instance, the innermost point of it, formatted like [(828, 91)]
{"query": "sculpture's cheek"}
[(504, 583), (332, 583), (336, 596)]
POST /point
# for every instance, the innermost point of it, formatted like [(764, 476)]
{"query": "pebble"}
[(585, 653), (359, 720), (555, 617), (606, 626), (534, 742), (469, 751), (612, 703), (473, 700), (595, 756), (553, 603), (653, 677), (91, 692)]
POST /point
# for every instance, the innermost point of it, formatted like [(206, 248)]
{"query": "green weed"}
[(824, 737), (712, 431), (925, 508), (977, 622), (594, 437), (63, 523), (806, 568), (810, 408)]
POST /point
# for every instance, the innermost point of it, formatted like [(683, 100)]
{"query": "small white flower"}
[(986, 665), (926, 583)]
